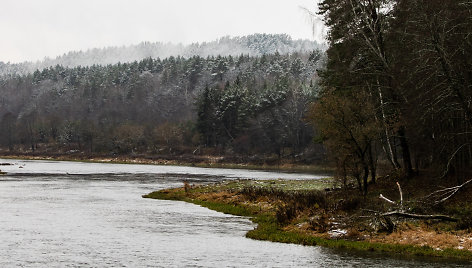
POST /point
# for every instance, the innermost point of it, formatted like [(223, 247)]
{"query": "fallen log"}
[(419, 216)]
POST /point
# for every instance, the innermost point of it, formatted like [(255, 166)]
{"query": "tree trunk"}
[(373, 169), (407, 166), (365, 178), (388, 146)]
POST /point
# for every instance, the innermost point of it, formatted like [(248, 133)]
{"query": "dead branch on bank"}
[(388, 200), (401, 213), (419, 216), (393, 202), (446, 193)]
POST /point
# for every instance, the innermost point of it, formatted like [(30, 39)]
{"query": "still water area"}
[(73, 214)]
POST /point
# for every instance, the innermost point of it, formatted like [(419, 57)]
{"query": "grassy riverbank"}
[(311, 220)]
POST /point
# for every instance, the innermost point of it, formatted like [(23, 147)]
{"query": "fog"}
[(33, 30)]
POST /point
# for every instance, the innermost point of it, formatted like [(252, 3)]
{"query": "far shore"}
[(205, 161)]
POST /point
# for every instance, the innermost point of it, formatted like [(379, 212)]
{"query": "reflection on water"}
[(100, 220)]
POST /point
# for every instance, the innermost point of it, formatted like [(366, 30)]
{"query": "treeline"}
[(243, 104), (252, 45), (397, 89)]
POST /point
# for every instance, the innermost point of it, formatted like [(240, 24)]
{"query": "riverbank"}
[(313, 213), (205, 161)]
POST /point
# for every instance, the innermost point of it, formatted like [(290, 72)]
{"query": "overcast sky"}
[(34, 29)]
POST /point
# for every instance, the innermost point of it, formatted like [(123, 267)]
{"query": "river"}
[(73, 214)]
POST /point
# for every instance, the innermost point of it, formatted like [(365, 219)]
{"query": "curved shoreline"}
[(269, 229)]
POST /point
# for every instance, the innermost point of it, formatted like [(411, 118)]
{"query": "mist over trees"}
[(252, 45), (231, 104), (397, 89)]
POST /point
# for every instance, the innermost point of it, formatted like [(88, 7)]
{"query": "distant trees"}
[(254, 115), (252, 45), (401, 71), (8, 126), (238, 104)]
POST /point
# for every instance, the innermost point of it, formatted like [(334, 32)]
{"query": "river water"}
[(71, 214)]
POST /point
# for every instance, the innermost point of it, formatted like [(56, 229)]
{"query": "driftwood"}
[(419, 216)]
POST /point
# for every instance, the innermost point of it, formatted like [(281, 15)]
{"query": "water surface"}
[(69, 214)]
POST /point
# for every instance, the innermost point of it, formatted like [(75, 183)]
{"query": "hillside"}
[(244, 104), (252, 45)]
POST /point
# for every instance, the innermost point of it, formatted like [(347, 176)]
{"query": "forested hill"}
[(252, 45), (246, 104)]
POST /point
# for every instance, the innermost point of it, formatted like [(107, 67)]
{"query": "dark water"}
[(64, 214)]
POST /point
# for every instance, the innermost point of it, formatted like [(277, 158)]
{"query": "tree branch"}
[(401, 195), (386, 199), (446, 193), (419, 216)]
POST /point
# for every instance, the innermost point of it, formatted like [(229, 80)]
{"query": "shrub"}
[(286, 212)]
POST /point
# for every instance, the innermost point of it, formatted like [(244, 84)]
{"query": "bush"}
[(301, 199), (349, 204), (465, 223), (286, 212)]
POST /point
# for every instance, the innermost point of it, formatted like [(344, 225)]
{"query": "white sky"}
[(34, 29)]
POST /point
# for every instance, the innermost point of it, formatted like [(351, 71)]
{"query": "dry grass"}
[(424, 236), (319, 215)]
